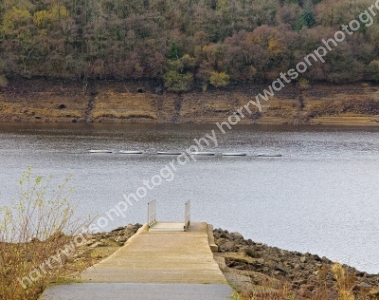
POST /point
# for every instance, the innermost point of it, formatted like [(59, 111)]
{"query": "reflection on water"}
[(321, 196)]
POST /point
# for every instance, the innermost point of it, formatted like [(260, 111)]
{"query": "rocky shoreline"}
[(40, 101), (257, 269), (119, 236), (102, 245)]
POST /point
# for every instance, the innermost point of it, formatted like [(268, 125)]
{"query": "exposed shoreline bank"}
[(39, 101), (251, 268)]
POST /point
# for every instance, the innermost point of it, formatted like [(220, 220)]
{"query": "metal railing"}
[(152, 213), (187, 214)]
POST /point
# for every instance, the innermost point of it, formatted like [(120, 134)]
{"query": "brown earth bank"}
[(262, 272), (40, 100)]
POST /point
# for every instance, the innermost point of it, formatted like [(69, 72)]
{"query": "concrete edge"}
[(139, 291), (211, 240), (221, 262)]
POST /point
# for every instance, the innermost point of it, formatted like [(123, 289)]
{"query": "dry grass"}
[(26, 111), (125, 106), (283, 106), (119, 114), (359, 107), (31, 231), (343, 287)]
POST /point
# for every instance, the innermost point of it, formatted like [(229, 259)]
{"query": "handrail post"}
[(187, 214), (151, 213)]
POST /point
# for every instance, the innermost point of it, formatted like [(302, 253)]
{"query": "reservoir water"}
[(321, 196)]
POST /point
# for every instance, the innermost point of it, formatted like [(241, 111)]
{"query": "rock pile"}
[(117, 236), (255, 268), (101, 245)]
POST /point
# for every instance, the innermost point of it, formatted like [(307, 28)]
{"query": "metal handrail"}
[(187, 214), (152, 213)]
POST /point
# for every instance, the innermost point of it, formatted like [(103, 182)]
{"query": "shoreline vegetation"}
[(56, 101), (254, 270)]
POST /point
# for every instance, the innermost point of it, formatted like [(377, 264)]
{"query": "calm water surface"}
[(322, 196)]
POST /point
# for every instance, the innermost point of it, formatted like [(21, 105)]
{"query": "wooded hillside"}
[(184, 44)]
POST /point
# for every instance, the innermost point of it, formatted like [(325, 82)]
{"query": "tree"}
[(46, 18), (142, 39), (15, 20), (177, 82), (307, 17), (219, 79), (174, 52), (372, 72), (177, 78)]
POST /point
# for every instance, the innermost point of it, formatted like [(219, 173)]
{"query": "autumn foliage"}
[(184, 44)]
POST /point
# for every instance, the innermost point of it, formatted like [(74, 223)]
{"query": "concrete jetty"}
[(164, 265)]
